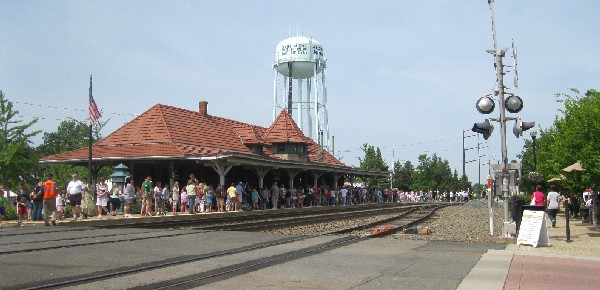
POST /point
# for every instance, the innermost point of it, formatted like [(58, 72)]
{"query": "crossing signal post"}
[(512, 104)]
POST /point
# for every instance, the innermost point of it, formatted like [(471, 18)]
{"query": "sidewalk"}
[(562, 265)]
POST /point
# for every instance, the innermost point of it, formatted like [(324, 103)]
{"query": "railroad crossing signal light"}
[(521, 126), (486, 128), (485, 105), (513, 104)]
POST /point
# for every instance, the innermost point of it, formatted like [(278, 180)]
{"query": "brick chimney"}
[(202, 108)]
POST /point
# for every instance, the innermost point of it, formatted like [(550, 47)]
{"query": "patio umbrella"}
[(574, 167), (555, 179)]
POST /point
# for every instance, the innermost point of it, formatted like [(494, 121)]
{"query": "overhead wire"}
[(73, 109)]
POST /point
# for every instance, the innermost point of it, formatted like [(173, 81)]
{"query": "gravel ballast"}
[(468, 222)]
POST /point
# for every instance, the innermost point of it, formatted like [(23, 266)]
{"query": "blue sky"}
[(401, 74)]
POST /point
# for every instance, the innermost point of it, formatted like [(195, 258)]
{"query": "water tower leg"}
[(309, 127), (289, 97), (275, 94), (325, 115), (300, 106)]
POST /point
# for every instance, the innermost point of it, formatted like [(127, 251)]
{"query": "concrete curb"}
[(490, 272)]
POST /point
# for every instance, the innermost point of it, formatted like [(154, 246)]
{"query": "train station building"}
[(170, 143)]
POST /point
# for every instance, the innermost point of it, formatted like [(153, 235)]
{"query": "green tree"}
[(70, 135), (374, 161), (434, 173), (572, 137), (529, 177), (462, 183), (403, 175), (15, 150)]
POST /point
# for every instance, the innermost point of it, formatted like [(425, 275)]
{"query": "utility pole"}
[(464, 154), (393, 165)]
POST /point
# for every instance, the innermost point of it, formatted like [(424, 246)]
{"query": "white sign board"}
[(533, 230)]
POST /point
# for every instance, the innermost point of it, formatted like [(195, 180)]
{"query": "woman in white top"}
[(553, 203), (175, 197), (102, 196)]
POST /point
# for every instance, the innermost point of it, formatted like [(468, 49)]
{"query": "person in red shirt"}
[(538, 197), (317, 193)]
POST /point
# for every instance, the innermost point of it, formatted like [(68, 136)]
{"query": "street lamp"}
[(533, 134)]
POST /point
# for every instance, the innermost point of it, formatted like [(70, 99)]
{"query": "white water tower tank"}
[(302, 53)]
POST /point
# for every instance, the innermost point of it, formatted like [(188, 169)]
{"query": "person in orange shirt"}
[(51, 190)]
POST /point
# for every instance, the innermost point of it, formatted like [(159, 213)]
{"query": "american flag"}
[(94, 112)]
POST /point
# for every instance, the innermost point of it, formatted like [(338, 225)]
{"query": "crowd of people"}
[(47, 202), (202, 197)]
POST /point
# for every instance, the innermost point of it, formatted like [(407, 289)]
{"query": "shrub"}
[(11, 213), (526, 198), (68, 211), (134, 209)]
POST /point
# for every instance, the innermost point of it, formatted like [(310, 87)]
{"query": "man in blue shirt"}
[(240, 190)]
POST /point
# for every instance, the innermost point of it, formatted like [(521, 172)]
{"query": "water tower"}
[(300, 87)]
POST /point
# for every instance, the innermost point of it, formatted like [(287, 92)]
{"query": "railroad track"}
[(410, 216), (43, 239), (262, 225), (185, 220)]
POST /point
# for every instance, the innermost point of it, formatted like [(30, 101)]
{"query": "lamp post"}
[(118, 178), (533, 134)]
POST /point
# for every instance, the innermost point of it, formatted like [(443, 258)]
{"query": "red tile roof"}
[(284, 130), (250, 134), (169, 132)]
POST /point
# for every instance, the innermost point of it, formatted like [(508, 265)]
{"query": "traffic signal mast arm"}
[(506, 118)]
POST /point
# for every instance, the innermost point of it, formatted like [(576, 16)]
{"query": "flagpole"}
[(91, 180)]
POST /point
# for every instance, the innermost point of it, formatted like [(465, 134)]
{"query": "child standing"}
[(209, 201), (202, 199), (60, 207), (29, 207), (254, 198), (158, 198), (3, 204), (184, 200), (166, 197), (22, 207), (175, 197)]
